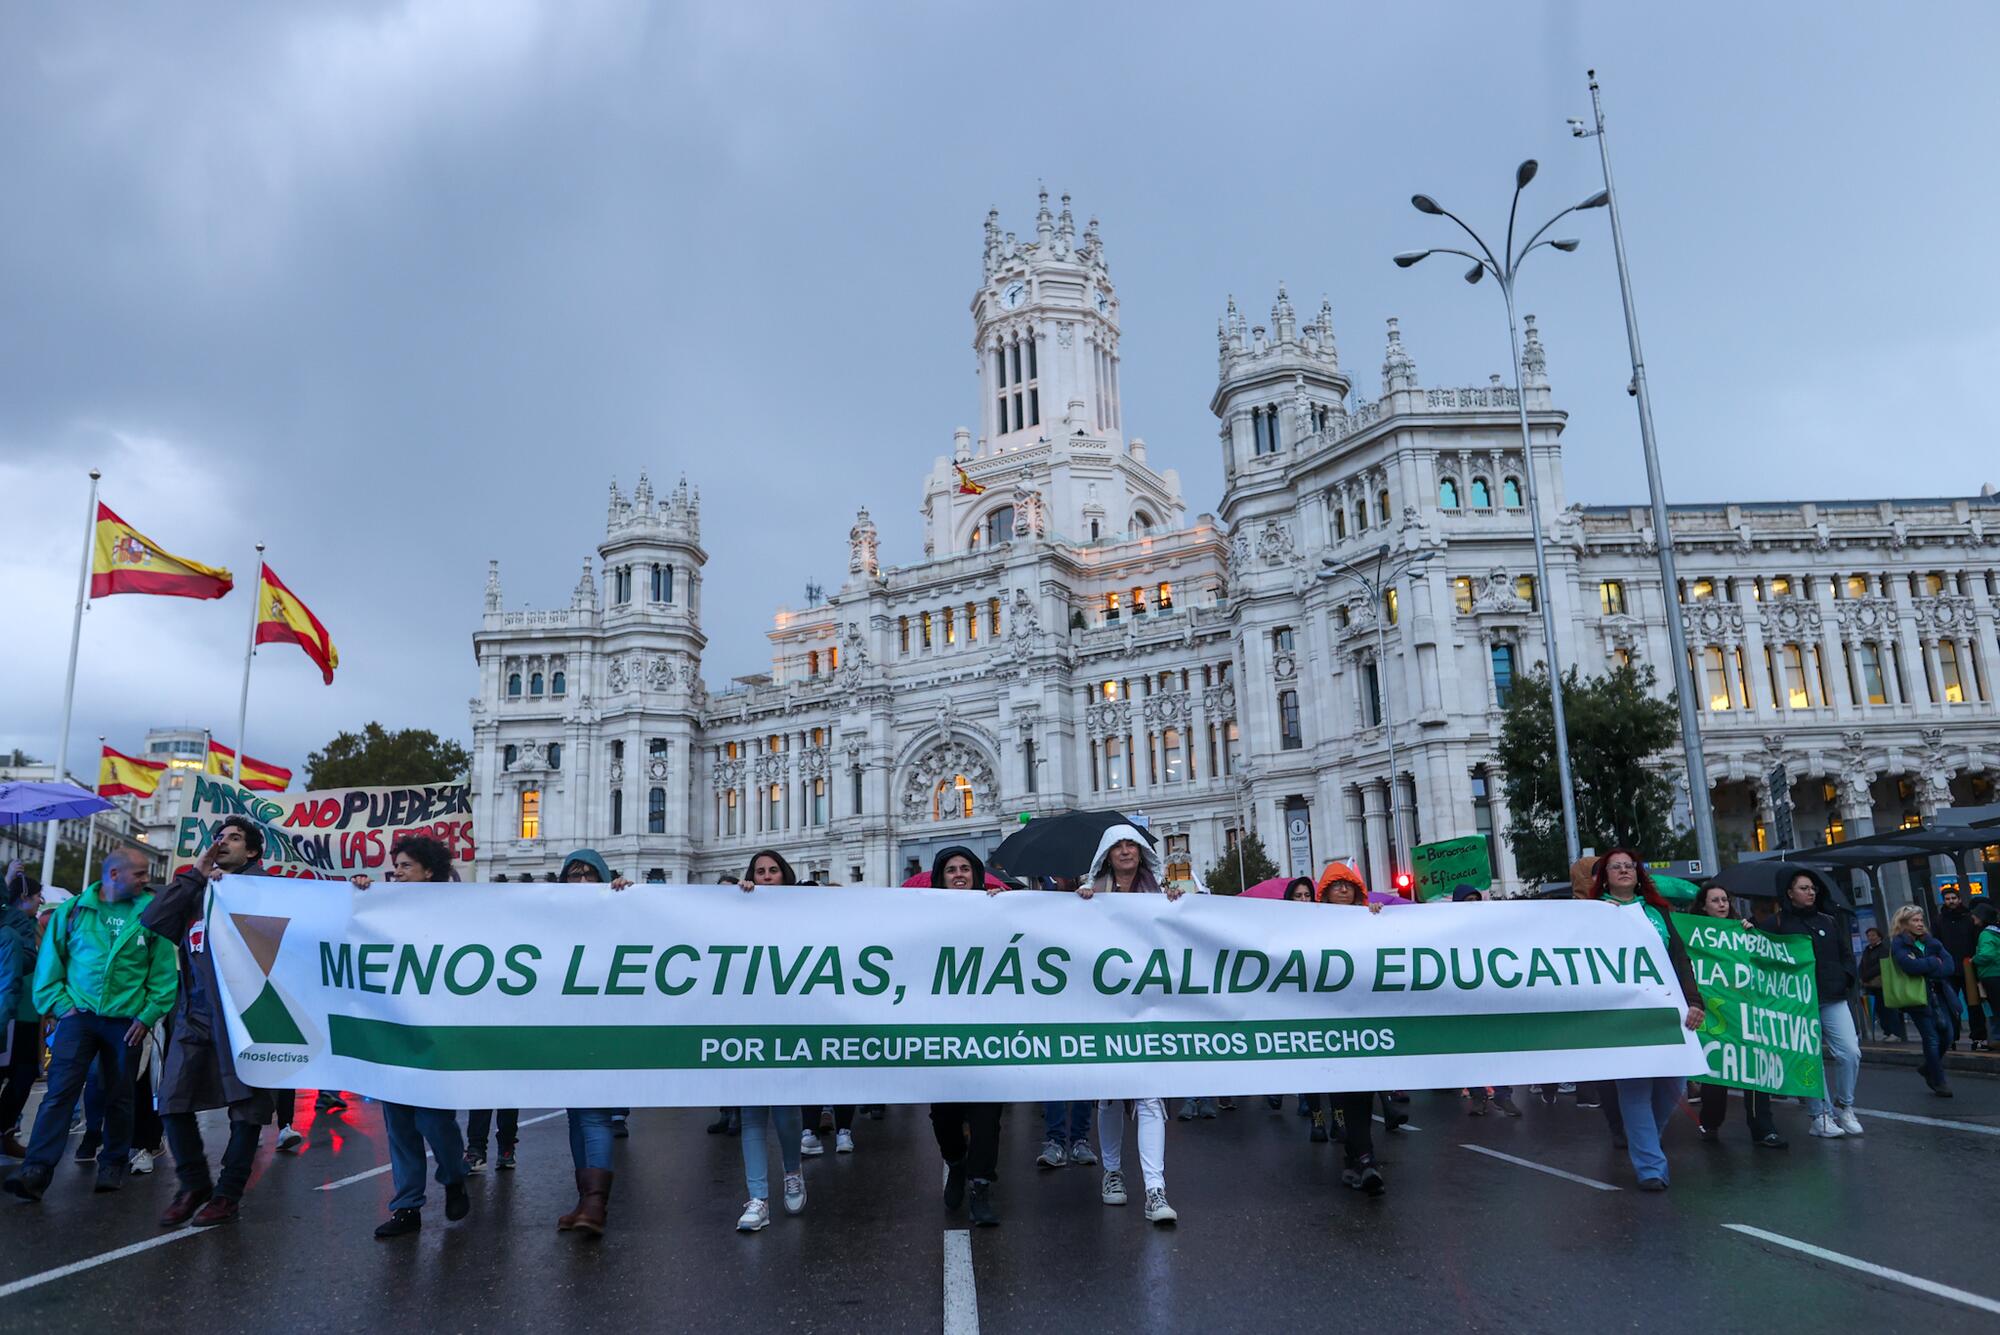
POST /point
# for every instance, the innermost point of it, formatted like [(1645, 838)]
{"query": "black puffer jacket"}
[(1834, 971)]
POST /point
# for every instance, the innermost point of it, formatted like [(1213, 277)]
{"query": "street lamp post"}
[(1504, 274), (1332, 568), (1697, 768)]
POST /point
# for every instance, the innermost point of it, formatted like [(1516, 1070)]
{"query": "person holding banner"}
[(782, 1123), (1352, 1110), (1715, 903), (1913, 979), (1647, 1103), (968, 1134), (1804, 913), (1126, 863), (591, 1130), (419, 859), (199, 1073)]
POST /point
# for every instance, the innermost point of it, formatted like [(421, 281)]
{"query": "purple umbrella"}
[(31, 803)]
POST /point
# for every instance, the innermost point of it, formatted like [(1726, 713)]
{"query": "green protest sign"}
[(1761, 1030), (1438, 868)]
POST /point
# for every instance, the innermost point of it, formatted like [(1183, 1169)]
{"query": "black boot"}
[(400, 1222), (983, 1212), (954, 1185)]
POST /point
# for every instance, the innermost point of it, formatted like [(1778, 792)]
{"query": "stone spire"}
[(1398, 371), (1534, 359), (642, 495), (992, 242), (863, 546), (1234, 319), (1045, 223), (1325, 330), (1093, 244), (585, 595), (1284, 320), (492, 586), (615, 509)]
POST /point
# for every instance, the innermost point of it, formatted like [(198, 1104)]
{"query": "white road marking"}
[(1931, 1121), (1541, 1168), (378, 1171), (961, 1297), (1870, 1268), (92, 1262)]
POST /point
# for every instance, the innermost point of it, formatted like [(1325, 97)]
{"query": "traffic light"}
[(1403, 884)]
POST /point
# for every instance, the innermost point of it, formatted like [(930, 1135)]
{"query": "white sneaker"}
[(1113, 1190), (142, 1163), (843, 1142), (289, 1139), (1849, 1123), (1825, 1127), (809, 1145), (795, 1194), (756, 1215), (1157, 1209)]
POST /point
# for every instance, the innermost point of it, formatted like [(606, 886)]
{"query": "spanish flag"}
[(128, 776), (966, 486), (256, 773), (283, 619), (125, 560)]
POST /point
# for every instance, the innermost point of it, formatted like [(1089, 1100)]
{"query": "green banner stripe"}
[(662, 1047)]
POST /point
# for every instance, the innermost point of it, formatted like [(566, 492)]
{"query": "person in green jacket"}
[(1986, 957), (107, 980)]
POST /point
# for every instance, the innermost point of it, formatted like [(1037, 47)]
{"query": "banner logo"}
[(267, 1019)]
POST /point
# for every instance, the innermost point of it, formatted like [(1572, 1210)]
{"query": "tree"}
[(1618, 733), (1222, 878), (376, 757)]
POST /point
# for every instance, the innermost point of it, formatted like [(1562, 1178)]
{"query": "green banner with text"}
[(1761, 1030)]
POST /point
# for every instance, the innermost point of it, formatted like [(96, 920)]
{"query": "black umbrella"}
[(1770, 880), (1059, 845)]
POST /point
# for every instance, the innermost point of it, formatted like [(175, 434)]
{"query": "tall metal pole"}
[(250, 652), (1388, 720), (1697, 767), (90, 826), (69, 682), (1559, 717)]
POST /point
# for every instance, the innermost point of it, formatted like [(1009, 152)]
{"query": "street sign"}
[(1442, 866), (1781, 807)]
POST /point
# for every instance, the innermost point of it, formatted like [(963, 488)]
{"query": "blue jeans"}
[(590, 1137), (1843, 1058), (80, 1041), (1647, 1105), (1075, 1115), (409, 1129), (758, 1123), (1931, 1028)]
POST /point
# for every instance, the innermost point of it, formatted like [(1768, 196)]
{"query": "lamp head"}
[(1409, 257), (1596, 201), (1567, 244), (1475, 273), (1525, 173), (1576, 127), (1425, 204)]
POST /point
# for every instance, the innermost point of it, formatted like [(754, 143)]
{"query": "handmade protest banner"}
[(447, 995), (1761, 1030), (1441, 867), (330, 832)]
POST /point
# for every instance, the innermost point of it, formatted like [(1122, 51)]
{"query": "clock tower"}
[(1045, 330)]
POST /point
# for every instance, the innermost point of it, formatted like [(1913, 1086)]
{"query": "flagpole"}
[(249, 652), (90, 828), (69, 683)]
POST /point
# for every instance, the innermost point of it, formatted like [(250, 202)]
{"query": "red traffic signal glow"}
[(1402, 881)]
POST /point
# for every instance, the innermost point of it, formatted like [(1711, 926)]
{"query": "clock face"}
[(1013, 294), (1103, 300)]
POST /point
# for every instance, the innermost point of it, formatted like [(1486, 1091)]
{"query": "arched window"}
[(513, 686), (812, 662), (656, 811), (508, 755), (1340, 525), (558, 684), (1482, 495), (1382, 506), (1510, 492), (535, 684), (1361, 516), (1000, 525), (1448, 493), (1142, 522), (953, 799), (555, 755)]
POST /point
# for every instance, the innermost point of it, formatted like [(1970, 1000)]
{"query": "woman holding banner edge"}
[(1715, 903), (780, 1123), (1647, 1103)]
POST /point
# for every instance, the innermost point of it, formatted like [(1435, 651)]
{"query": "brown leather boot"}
[(566, 1222), (596, 1184)]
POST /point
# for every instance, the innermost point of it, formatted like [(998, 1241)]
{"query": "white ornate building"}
[(1073, 639)]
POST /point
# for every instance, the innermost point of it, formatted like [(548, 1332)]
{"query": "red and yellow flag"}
[(125, 560), (257, 773), (283, 619), (966, 486), (121, 775)]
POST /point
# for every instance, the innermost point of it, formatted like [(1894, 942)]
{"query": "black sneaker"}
[(982, 1211), (87, 1148), (506, 1160), (109, 1178), (400, 1222), (723, 1117), (29, 1182), (1505, 1103), (457, 1202), (329, 1101), (619, 1131), (475, 1161), (954, 1185), (1367, 1178), (1774, 1141)]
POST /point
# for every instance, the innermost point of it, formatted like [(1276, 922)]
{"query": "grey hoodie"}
[(1150, 866)]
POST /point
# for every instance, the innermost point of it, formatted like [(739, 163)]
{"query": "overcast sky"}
[(397, 288)]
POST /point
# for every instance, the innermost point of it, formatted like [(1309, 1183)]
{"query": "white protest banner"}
[(475, 996), (328, 832)]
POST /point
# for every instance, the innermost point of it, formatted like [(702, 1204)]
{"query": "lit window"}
[(1701, 591), (1389, 605), (1716, 678), (1611, 597), (1461, 593), (1110, 607), (926, 630), (531, 813), (972, 622), (950, 628), (1382, 506), (903, 633), (1857, 586), (812, 662), (1174, 752), (832, 658), (1111, 690), (1448, 494), (1954, 682), (1482, 494), (1781, 586), (1933, 584), (1165, 596), (993, 616), (1524, 589), (1114, 762), (1874, 685), (1795, 678), (819, 802), (1510, 492)]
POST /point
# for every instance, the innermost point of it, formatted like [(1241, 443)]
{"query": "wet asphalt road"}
[(1268, 1237)]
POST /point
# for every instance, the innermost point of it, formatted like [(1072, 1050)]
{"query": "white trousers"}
[(1151, 1114)]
